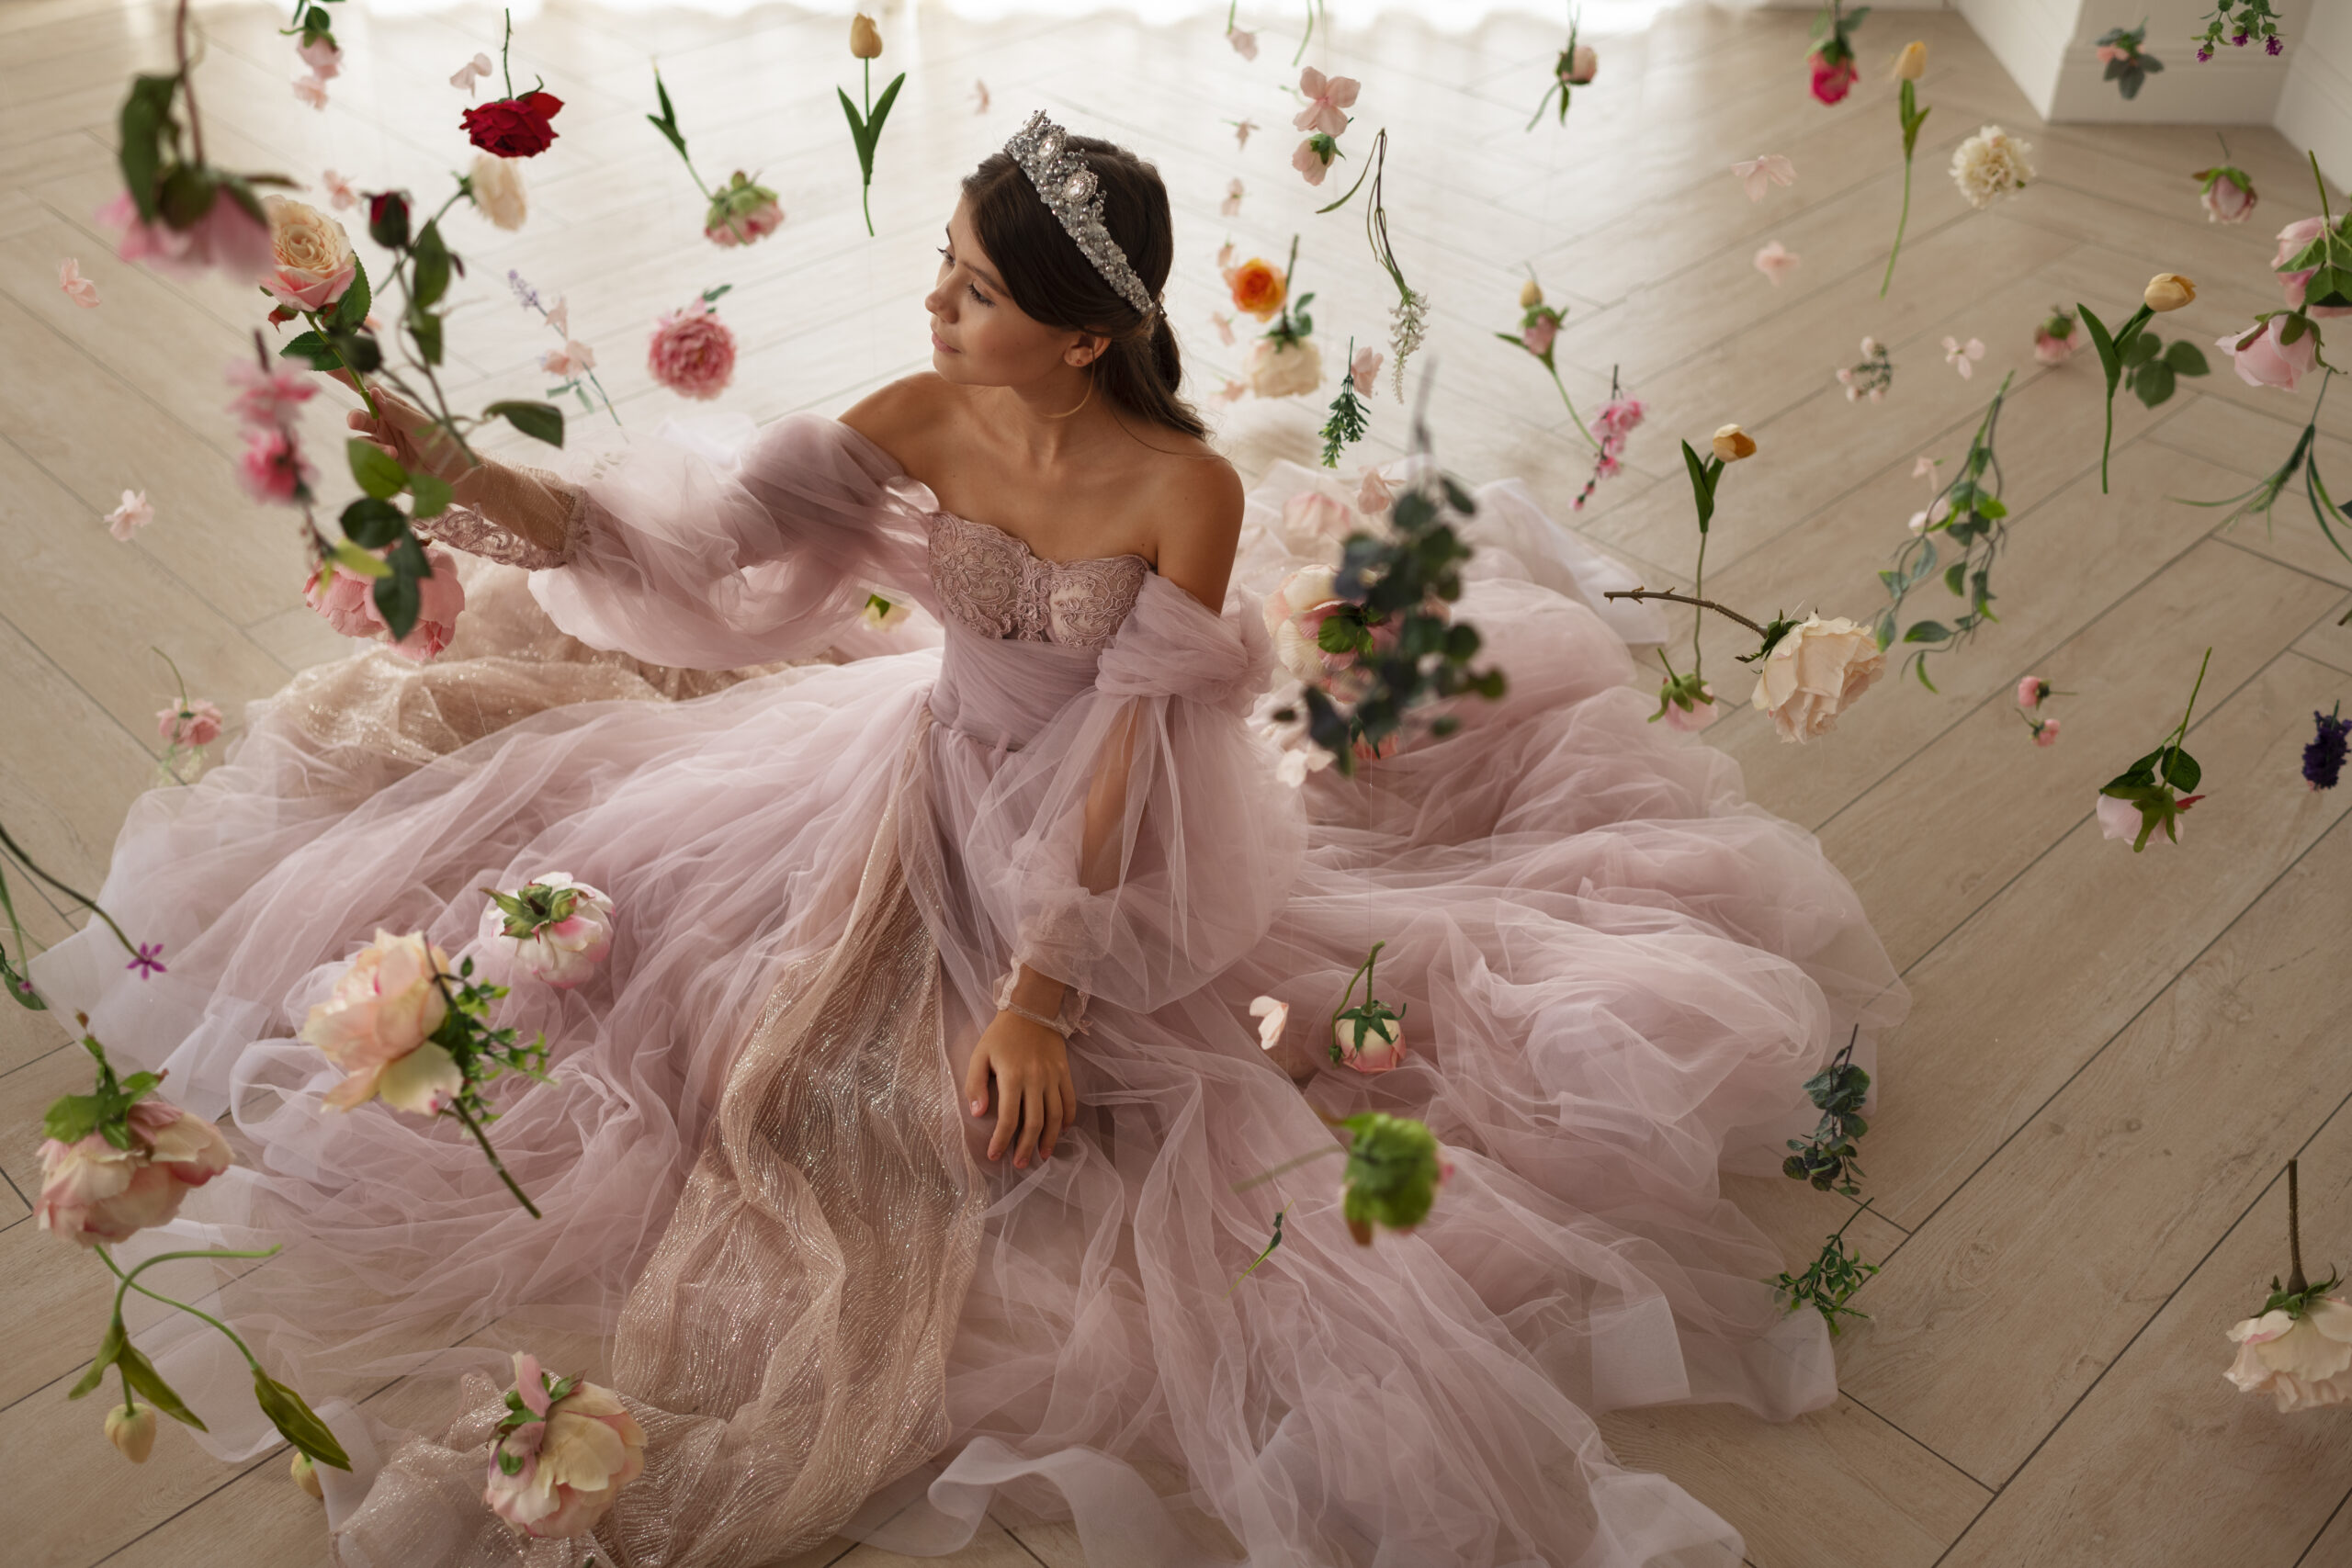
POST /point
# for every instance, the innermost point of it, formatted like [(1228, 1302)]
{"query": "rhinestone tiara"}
[(1068, 187)]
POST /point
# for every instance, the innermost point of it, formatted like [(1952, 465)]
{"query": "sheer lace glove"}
[(521, 516)]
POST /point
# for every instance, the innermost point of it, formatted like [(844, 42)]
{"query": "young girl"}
[(890, 1167)]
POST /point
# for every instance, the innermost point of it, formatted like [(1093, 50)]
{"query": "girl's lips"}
[(943, 345)]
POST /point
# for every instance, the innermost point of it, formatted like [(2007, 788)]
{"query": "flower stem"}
[(502, 46), (2295, 1281), (1363, 973), (2181, 733), (187, 88), (1899, 224), (1640, 593), (495, 1163), (1288, 1165), (1697, 586), (130, 1283), (2326, 217), (26, 861), (1570, 401), (865, 194)]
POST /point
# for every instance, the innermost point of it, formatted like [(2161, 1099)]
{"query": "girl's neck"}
[(1044, 422)]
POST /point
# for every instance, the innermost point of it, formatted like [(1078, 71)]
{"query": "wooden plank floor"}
[(2074, 1170)]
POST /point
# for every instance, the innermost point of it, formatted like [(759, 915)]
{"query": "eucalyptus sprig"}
[(1826, 1157), (1346, 426), (1970, 513), (1830, 1281), (2150, 782), (2304, 459), (1402, 578)]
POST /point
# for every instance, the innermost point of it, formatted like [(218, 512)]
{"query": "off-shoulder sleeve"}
[(681, 556), (1204, 842)]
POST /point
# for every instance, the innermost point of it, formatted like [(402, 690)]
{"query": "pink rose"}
[(2291, 241), (197, 724), (1537, 335), (1696, 720), (2267, 361), (1583, 65), (92, 1192), (2226, 201), (272, 468), (692, 352), (440, 600), (1383, 1047), (377, 1025), (1294, 615), (1831, 82), (348, 605), (570, 1462), (2045, 732), (269, 398), (323, 57), (2030, 690), (2050, 350), (312, 260), (562, 953), (224, 235), (2303, 1361)]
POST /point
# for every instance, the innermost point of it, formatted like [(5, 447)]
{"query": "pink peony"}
[(196, 724), (92, 1192), (377, 1025), (1327, 99), (270, 398), (272, 468), (2267, 361), (79, 289), (225, 236), (562, 953), (1832, 82), (692, 352), (570, 1460), (1537, 335), (744, 228)]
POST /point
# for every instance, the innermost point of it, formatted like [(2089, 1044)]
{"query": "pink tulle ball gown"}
[(769, 1222)]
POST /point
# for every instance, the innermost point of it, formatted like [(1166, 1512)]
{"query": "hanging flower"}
[(1280, 369), (225, 234), (1368, 1036), (1224, 324), (1962, 356), (92, 1190), (1833, 52), (979, 96), (2143, 802), (2303, 1359), (1245, 44), (552, 928), (2324, 756), (1990, 164), (1231, 205), (1258, 287), (1872, 377), (1832, 80), (471, 72), (79, 289), (313, 264), (1241, 129), (692, 352), (269, 398), (377, 1027), (347, 603), (574, 358), (2298, 237), (496, 186), (1775, 261), (273, 469), (133, 514), (131, 1430), (2279, 353), (1759, 174), (1327, 99), (742, 212), (2054, 340), (1313, 157), (1731, 444), (340, 195), (2127, 64), (2228, 195), (1814, 673), (514, 127), (1273, 1016), (565, 1449), (312, 90), (192, 722)]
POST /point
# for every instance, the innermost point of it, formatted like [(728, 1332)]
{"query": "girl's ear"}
[(1086, 350)]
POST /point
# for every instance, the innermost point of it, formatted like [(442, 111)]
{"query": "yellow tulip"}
[(1732, 444), (865, 38), (2168, 291), (1912, 63)]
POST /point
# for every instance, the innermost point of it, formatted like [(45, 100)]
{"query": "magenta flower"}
[(150, 960)]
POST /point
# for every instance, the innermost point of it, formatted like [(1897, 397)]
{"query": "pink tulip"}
[(225, 236), (2267, 361), (1327, 99)]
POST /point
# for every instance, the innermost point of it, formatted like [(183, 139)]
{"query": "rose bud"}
[(1912, 63), (1583, 65), (133, 1431), (2168, 291), (1530, 293), (865, 38), (306, 1475), (1732, 444)]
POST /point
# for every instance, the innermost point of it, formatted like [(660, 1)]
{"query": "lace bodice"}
[(1000, 588)]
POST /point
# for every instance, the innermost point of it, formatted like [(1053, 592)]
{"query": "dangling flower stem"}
[(2295, 1281), (495, 1163)]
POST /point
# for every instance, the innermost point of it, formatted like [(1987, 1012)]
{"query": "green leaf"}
[(432, 495), (1703, 486), (432, 279), (1955, 573), (350, 557), (2108, 360), (1927, 631), (74, 1117), (143, 1378), (146, 111), (379, 472), (187, 195), (351, 310), (2186, 360), (399, 601), (541, 422), (2152, 383), (312, 349), (425, 328), (857, 135), (297, 1422), (882, 112), (110, 1347), (2140, 348), (372, 524), (2182, 772)]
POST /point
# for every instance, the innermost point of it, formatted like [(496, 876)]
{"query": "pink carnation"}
[(197, 724), (273, 467), (225, 236), (692, 352)]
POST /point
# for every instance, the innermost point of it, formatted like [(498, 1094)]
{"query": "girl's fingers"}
[(1054, 1115), (1008, 1122), (975, 1087), (1032, 1121)]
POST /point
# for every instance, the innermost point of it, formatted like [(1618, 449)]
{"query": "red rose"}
[(1831, 78), (514, 127)]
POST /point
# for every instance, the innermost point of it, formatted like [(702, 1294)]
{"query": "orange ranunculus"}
[(1258, 287)]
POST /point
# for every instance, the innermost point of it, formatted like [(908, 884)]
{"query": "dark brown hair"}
[(1052, 281)]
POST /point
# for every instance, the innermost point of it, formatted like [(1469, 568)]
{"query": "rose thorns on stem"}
[(1809, 671)]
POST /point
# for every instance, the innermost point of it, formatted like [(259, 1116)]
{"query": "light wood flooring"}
[(2075, 1171)]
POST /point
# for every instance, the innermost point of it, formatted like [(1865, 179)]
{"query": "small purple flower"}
[(2204, 54), (2324, 758), (2239, 40), (2272, 47), (151, 962)]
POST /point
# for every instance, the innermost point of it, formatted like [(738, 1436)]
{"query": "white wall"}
[(2316, 109)]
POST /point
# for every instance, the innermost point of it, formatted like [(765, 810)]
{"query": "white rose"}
[(2303, 1361), (498, 190), (1279, 369), (1294, 614), (1814, 674), (564, 952)]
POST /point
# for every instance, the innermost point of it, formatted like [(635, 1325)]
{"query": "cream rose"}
[(1294, 615), (377, 1027), (2302, 1361), (1383, 1047), (1279, 369), (569, 1463), (92, 1192), (562, 953), (497, 184), (1816, 673), (311, 255)]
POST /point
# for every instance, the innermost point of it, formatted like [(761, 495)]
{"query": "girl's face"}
[(979, 336)]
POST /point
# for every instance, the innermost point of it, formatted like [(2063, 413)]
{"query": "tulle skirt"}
[(766, 1221)]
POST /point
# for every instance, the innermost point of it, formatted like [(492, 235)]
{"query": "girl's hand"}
[(405, 434), (1035, 1097)]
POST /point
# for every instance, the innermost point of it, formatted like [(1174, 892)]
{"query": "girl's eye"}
[(976, 293)]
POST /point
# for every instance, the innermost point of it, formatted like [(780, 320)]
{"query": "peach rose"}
[(92, 1192), (377, 1026), (1817, 671), (1383, 1047), (562, 953), (497, 187), (569, 1463), (313, 264), (1258, 287), (197, 723), (2302, 1361), (1278, 369)]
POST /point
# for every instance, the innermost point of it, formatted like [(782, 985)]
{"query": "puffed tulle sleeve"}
[(682, 553), (1142, 842)]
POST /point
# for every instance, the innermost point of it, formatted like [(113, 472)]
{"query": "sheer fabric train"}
[(766, 1221)]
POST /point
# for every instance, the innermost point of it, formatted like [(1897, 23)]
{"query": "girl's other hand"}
[(1035, 1097)]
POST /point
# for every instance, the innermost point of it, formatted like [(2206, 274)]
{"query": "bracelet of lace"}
[(1055, 1024)]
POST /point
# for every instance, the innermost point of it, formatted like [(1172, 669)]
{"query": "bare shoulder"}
[(895, 417), (1196, 500)]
